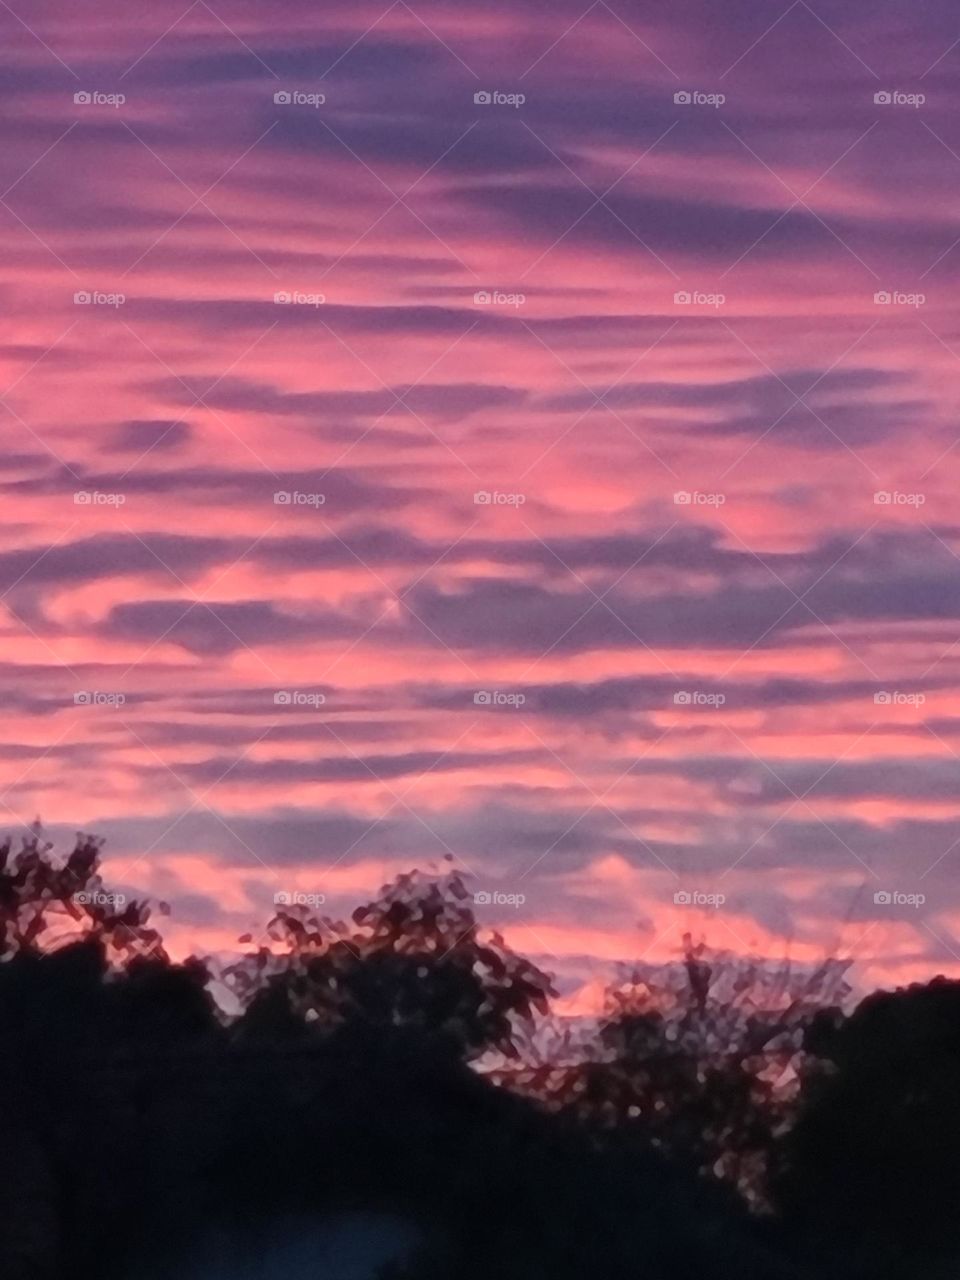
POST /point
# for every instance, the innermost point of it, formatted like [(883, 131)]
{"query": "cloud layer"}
[(526, 436)]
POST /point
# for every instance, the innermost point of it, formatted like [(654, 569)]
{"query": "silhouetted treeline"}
[(728, 1120)]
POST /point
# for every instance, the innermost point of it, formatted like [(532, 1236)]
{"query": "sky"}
[(516, 434)]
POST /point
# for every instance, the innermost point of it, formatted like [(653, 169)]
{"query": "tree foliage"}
[(44, 902), (871, 1168), (705, 1056), (119, 1070), (415, 957)]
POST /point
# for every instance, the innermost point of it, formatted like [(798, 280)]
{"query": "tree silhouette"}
[(43, 902), (870, 1170), (703, 1056), (355, 1075), (413, 958)]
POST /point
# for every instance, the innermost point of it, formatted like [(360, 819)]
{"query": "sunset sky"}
[(672, 287)]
